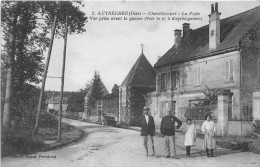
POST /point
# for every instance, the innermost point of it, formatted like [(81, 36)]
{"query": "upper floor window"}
[(164, 81), (229, 71), (175, 79), (197, 76)]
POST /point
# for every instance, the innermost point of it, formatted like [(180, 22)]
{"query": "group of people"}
[(167, 128)]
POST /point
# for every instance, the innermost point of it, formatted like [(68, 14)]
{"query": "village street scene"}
[(127, 83)]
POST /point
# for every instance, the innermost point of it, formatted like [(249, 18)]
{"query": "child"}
[(208, 127), (190, 137)]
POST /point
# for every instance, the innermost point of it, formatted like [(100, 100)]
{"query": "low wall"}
[(239, 128)]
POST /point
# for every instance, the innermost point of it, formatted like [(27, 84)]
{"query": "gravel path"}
[(107, 146)]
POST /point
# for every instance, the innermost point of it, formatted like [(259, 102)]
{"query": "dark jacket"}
[(168, 125), (147, 129)]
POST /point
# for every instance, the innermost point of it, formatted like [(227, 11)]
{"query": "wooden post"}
[(62, 79), (45, 75)]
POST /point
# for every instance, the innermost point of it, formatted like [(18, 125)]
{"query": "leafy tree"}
[(76, 101), (26, 25), (211, 97)]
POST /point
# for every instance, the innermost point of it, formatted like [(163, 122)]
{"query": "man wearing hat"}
[(148, 129)]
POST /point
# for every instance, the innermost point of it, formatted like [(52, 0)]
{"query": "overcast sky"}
[(112, 47)]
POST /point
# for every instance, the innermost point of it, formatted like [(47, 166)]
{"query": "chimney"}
[(186, 29), (214, 27), (177, 35)]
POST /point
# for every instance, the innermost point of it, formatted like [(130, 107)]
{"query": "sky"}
[(112, 46)]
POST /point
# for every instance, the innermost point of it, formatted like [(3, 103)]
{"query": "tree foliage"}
[(115, 91), (33, 25), (211, 97), (96, 90)]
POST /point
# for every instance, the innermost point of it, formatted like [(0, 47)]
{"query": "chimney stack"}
[(214, 27), (186, 29), (177, 35)]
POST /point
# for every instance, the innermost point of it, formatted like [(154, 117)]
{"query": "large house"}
[(225, 55)]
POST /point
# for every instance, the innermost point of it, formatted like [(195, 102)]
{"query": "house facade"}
[(54, 104), (139, 81), (224, 55)]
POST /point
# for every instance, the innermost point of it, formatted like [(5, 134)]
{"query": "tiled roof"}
[(196, 44), (141, 74)]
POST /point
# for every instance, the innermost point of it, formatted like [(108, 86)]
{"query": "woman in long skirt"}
[(208, 127)]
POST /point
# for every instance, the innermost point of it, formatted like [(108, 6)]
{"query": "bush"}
[(254, 147), (256, 126), (19, 139)]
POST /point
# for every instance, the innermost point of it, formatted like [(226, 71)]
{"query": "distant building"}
[(54, 104), (139, 81)]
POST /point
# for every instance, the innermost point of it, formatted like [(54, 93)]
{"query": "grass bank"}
[(18, 140)]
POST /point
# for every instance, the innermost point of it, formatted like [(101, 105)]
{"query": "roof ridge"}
[(136, 65)]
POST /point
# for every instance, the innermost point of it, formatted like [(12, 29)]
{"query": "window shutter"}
[(195, 76), (159, 82), (258, 71), (231, 73), (174, 79), (226, 71), (198, 71)]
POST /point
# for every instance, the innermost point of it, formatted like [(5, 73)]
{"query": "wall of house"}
[(135, 101), (250, 54), (124, 112), (212, 73)]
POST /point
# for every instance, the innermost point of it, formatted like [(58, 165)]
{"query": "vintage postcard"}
[(130, 83)]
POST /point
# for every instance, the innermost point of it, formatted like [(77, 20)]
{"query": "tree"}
[(10, 64), (23, 50), (96, 89), (115, 91), (211, 97), (76, 101)]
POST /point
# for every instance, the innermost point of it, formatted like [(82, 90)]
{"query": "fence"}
[(245, 114), (197, 113)]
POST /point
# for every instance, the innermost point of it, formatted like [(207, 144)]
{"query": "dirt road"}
[(107, 146)]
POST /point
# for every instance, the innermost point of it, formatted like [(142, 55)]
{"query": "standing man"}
[(148, 129), (168, 131)]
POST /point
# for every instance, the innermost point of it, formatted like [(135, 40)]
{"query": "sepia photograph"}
[(130, 83)]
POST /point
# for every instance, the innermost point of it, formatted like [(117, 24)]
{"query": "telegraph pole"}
[(62, 78), (45, 72)]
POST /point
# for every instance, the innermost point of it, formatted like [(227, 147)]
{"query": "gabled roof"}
[(141, 74), (196, 44)]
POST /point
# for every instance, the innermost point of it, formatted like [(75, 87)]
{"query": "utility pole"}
[(62, 79), (45, 73), (173, 112)]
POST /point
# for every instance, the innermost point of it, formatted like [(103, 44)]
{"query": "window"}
[(197, 75), (164, 81), (229, 71), (175, 79)]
